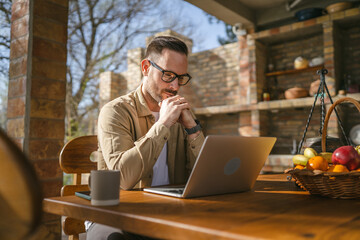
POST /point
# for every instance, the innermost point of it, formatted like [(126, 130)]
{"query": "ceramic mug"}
[(105, 187)]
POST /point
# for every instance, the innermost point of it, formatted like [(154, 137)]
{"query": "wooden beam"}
[(229, 11)]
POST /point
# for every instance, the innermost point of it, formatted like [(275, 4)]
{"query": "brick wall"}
[(215, 77), (37, 88), (226, 124), (228, 81), (288, 125), (351, 53), (282, 55)]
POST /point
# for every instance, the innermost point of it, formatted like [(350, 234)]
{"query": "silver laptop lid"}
[(228, 164)]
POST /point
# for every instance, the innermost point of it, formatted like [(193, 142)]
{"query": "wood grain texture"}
[(274, 209), (74, 226), (68, 190), (75, 155), (75, 159)]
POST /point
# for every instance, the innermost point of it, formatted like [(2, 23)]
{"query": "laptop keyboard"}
[(179, 190)]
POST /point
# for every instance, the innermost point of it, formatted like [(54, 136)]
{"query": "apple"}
[(348, 156)]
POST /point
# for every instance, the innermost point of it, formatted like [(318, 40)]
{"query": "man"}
[(150, 134)]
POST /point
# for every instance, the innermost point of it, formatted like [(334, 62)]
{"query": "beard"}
[(159, 95)]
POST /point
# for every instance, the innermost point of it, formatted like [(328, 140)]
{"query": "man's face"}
[(155, 87)]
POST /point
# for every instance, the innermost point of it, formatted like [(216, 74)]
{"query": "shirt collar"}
[(141, 105)]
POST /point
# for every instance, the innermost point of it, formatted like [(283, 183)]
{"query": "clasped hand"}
[(176, 109)]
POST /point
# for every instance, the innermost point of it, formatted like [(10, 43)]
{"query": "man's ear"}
[(145, 67)]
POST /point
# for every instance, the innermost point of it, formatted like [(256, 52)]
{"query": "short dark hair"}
[(165, 42)]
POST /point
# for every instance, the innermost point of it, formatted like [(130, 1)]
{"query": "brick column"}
[(332, 58), (247, 78), (134, 75), (112, 85), (333, 65), (37, 88), (259, 123)]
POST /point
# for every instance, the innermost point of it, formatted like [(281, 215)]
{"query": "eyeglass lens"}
[(169, 76)]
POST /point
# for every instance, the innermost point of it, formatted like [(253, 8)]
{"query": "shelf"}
[(224, 109), (292, 71), (268, 105)]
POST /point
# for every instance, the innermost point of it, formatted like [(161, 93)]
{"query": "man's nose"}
[(175, 84)]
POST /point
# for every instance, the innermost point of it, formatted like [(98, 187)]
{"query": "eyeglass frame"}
[(176, 75)]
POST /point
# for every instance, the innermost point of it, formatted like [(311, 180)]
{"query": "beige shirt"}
[(131, 142)]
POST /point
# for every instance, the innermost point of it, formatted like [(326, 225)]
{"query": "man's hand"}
[(186, 119), (171, 109)]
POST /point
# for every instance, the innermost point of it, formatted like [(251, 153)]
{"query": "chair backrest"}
[(77, 157), (20, 192)]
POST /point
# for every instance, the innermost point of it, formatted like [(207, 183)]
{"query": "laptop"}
[(226, 164)]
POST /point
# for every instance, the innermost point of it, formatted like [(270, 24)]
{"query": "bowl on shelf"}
[(296, 92), (337, 7), (301, 63), (308, 13), (316, 61)]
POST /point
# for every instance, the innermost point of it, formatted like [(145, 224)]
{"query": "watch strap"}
[(194, 129)]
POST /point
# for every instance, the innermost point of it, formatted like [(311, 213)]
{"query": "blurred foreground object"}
[(20, 193)]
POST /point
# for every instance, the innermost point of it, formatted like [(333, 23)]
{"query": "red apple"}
[(348, 156)]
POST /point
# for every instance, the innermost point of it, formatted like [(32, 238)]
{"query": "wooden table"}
[(275, 209)]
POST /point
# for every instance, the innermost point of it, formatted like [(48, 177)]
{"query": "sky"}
[(208, 32)]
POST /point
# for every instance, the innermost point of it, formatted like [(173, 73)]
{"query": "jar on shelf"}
[(266, 96)]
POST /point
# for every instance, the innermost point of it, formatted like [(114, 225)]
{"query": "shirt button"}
[(165, 138), (193, 147)]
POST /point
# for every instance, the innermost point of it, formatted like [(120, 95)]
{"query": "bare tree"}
[(5, 20), (100, 33)]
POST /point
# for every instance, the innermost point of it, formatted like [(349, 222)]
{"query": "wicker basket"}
[(329, 184)]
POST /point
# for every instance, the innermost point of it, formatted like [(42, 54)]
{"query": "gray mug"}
[(105, 187)]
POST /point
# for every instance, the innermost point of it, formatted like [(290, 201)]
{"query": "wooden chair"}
[(20, 193), (75, 159)]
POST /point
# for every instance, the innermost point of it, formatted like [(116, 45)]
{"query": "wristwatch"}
[(194, 129)]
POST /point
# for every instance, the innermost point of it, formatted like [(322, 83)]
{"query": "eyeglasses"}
[(169, 76)]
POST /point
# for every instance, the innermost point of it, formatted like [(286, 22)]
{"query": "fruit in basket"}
[(348, 156), (310, 152), (300, 167), (327, 156), (338, 168), (300, 160), (357, 148), (317, 163)]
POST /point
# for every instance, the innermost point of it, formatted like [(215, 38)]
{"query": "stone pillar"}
[(259, 123), (332, 58), (133, 73), (246, 67), (112, 85), (333, 65), (37, 88)]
